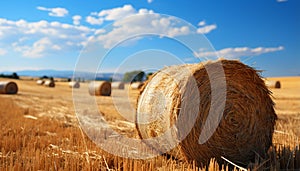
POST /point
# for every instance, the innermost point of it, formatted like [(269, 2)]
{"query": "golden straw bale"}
[(40, 82), (246, 123), (8, 87), (100, 88), (118, 85), (136, 85), (49, 83), (74, 84), (273, 84)]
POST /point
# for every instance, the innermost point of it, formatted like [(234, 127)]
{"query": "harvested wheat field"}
[(40, 131)]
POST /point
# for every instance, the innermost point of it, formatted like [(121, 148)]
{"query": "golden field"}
[(40, 131)]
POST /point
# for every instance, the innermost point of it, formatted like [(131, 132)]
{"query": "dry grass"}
[(49, 137)]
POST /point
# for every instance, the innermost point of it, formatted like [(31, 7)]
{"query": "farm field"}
[(39, 131)]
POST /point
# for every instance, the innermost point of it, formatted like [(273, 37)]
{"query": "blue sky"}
[(39, 34)]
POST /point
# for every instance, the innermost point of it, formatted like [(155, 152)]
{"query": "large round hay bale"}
[(74, 84), (49, 83), (118, 85), (8, 87), (273, 84), (136, 85), (100, 88), (246, 123), (40, 82)]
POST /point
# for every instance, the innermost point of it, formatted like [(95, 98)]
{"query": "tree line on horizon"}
[(136, 76), (14, 75)]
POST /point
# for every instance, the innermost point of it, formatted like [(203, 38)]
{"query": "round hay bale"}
[(74, 84), (136, 85), (49, 83), (246, 125), (8, 87), (118, 85), (40, 82), (100, 88), (273, 84)]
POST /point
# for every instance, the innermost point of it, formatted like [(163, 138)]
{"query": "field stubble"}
[(39, 131)]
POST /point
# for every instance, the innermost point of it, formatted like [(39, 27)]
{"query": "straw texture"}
[(246, 126)]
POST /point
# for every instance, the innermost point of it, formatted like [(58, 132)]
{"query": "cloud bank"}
[(55, 12), (238, 52), (41, 38), (36, 39)]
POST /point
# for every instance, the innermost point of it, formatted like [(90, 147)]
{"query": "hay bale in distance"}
[(246, 127), (136, 85), (49, 83), (100, 88), (40, 82), (74, 84), (8, 87), (118, 85), (272, 84)]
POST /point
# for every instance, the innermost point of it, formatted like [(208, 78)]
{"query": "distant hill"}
[(50, 73), (67, 74)]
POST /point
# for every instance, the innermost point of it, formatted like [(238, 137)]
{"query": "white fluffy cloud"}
[(97, 18), (55, 12), (204, 28), (202, 23), (94, 20), (140, 25), (76, 19), (38, 49), (238, 52), (2, 52), (36, 39), (149, 1), (117, 13)]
